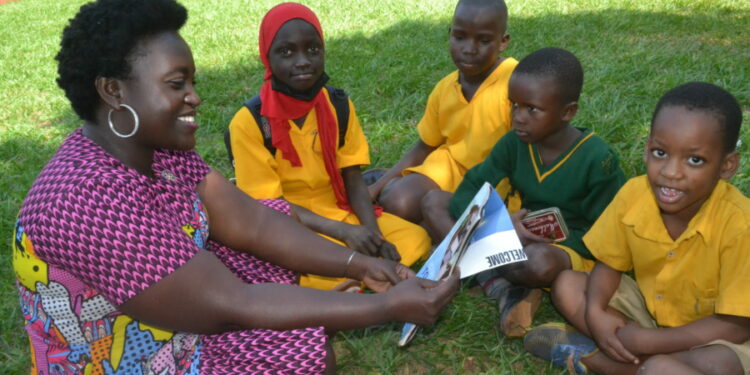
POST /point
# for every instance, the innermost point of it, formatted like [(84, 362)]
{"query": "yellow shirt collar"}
[(643, 215)]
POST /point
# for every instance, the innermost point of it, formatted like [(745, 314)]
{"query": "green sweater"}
[(581, 181)]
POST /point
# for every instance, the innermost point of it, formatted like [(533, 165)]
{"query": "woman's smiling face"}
[(161, 89)]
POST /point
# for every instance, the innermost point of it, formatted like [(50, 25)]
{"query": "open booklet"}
[(482, 238)]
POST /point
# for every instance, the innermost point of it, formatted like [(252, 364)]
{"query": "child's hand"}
[(420, 301), (388, 251), (366, 241), (381, 274), (604, 327), (524, 234)]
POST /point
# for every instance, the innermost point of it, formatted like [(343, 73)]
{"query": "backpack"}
[(340, 102)]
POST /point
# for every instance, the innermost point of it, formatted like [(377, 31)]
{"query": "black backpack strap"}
[(339, 99), (263, 124), (228, 144), (253, 105), (340, 102)]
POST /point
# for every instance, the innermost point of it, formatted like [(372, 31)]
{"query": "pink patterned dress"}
[(92, 233)]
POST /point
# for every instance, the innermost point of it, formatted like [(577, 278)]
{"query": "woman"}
[(117, 268)]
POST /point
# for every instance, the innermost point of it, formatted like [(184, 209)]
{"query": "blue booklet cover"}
[(482, 238)]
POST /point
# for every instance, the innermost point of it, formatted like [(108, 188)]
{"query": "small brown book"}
[(548, 223)]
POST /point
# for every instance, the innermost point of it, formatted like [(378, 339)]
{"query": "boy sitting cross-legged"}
[(467, 112), (685, 232), (550, 163)]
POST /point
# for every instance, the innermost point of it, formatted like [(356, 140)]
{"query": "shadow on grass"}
[(630, 58)]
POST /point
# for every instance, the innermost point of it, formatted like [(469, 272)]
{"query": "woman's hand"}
[(524, 234), (378, 274), (367, 241), (420, 301), (604, 327)]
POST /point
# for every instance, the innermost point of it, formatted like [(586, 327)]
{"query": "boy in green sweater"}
[(551, 164)]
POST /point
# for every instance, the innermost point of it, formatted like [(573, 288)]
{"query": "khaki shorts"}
[(629, 301)]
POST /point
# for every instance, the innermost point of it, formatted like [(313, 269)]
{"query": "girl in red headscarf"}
[(303, 160)]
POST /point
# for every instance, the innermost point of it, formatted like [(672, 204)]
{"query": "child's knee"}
[(543, 266), (435, 202), (567, 284), (403, 198), (656, 365), (394, 197)]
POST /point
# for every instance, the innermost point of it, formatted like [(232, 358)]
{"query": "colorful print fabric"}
[(92, 233)]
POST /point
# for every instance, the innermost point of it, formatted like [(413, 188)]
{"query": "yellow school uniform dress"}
[(464, 131), (263, 175), (705, 271)]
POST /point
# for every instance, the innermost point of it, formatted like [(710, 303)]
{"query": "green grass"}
[(387, 54)]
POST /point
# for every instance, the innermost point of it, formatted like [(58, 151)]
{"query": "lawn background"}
[(387, 54)]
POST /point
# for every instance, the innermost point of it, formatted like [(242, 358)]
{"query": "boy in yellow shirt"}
[(467, 112), (685, 232)]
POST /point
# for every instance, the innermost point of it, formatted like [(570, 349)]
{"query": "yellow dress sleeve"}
[(254, 166), (355, 150)]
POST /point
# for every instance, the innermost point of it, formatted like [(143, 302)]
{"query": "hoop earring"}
[(135, 119)]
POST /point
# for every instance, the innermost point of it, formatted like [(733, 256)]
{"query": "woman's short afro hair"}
[(100, 40)]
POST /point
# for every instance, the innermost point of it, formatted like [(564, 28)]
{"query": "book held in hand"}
[(482, 238)]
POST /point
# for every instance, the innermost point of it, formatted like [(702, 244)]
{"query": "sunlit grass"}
[(387, 54)]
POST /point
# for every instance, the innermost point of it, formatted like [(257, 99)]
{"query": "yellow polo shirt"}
[(705, 271), (263, 176), (463, 131)]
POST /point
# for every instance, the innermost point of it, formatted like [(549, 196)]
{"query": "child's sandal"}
[(560, 344)]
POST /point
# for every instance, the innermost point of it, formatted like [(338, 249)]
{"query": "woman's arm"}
[(241, 223), (413, 157), (204, 296), (367, 238), (332, 228)]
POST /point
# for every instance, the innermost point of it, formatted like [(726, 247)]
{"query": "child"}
[(685, 232), (467, 112), (311, 169), (550, 163)]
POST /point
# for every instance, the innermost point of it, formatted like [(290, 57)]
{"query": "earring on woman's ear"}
[(136, 120)]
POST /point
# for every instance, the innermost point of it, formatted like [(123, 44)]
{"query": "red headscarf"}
[(279, 108)]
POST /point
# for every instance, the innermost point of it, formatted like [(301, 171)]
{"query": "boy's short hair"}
[(493, 5), (709, 98), (558, 64)]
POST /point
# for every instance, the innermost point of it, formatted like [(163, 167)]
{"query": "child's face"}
[(477, 37), (537, 111), (685, 158), (296, 55)]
